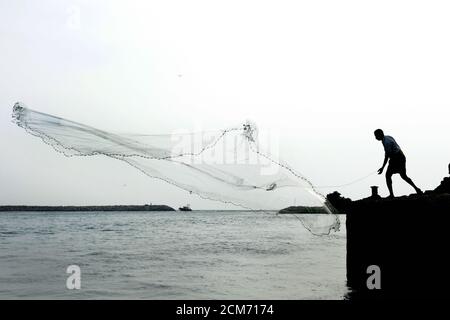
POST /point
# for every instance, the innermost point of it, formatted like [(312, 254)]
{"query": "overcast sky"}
[(323, 74)]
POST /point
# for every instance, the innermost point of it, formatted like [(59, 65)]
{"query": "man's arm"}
[(380, 171)]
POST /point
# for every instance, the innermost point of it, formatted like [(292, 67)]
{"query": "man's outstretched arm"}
[(386, 158)]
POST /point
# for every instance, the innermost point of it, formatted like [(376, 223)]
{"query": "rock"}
[(301, 209), (406, 238), (338, 203), (444, 187)]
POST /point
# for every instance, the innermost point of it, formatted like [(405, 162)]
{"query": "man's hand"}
[(380, 171)]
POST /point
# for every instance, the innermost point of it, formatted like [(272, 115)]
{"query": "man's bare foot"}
[(419, 191), (391, 196)]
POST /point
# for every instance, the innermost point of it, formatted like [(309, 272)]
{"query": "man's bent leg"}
[(410, 182)]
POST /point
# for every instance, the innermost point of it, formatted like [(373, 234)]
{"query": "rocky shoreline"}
[(401, 241), (303, 210), (146, 207), (437, 200)]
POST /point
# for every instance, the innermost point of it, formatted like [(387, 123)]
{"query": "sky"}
[(323, 75)]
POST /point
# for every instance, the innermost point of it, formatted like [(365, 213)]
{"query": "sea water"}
[(168, 255)]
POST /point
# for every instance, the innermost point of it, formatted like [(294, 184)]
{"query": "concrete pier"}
[(407, 238)]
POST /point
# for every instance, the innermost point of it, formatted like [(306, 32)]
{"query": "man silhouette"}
[(397, 161)]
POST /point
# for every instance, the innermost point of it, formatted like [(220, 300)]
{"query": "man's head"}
[(379, 134)]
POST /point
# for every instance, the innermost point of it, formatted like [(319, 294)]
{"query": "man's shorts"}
[(397, 163)]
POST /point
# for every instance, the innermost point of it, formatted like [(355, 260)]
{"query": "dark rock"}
[(301, 209), (406, 237), (338, 203), (444, 187)]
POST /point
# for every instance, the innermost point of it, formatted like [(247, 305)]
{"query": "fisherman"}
[(397, 161)]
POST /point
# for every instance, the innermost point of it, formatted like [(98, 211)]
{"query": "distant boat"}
[(185, 208)]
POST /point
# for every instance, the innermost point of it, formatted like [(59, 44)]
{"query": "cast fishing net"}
[(227, 166)]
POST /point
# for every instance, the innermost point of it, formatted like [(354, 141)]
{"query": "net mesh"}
[(228, 166)]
